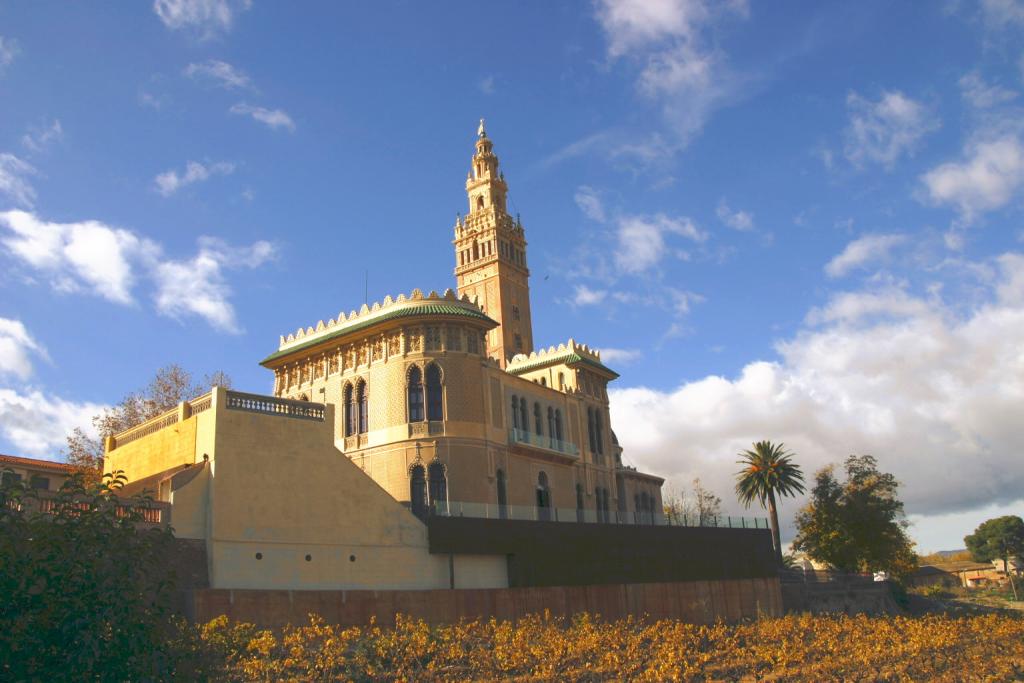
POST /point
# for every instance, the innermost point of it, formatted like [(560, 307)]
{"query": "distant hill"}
[(949, 553)]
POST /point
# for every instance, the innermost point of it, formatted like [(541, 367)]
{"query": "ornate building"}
[(444, 402)]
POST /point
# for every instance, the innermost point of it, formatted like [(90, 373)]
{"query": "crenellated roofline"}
[(416, 304), (569, 353)]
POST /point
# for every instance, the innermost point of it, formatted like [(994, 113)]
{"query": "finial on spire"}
[(480, 132)]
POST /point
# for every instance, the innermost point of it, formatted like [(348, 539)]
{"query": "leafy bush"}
[(85, 593)]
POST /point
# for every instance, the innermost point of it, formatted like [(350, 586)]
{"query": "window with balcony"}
[(538, 427), (515, 413), (499, 477), (543, 497)]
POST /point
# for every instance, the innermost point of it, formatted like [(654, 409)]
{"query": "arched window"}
[(590, 429), (438, 483), (558, 425), (579, 503), (515, 413), (480, 202), (363, 406), (538, 427), (551, 422), (543, 381), (543, 497), (524, 416), (598, 430), (418, 491), (348, 398), (502, 494), (415, 395), (435, 396), (476, 245), (561, 381)]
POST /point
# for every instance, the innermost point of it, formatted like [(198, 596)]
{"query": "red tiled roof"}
[(35, 463)]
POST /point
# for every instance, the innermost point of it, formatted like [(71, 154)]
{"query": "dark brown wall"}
[(563, 554), (696, 601)]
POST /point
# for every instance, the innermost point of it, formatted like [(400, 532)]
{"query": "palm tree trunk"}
[(773, 518)]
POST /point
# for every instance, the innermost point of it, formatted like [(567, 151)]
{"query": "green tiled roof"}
[(440, 308), (568, 358)]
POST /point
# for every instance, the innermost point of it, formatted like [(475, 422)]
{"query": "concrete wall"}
[(696, 602)]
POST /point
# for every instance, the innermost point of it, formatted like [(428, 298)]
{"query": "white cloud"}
[(737, 220), (620, 356), (1002, 13), (641, 239), (680, 70), (108, 262), (862, 251), (585, 296), (87, 254), (982, 95), (486, 85), (989, 176), (884, 130), (680, 300), (197, 286), (219, 73), (8, 51), (38, 424), (590, 203), (933, 392), (17, 348), (207, 17), (169, 182), (274, 118), (147, 99), (38, 139), (14, 180)]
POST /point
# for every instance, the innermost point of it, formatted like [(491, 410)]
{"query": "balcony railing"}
[(153, 513), (548, 514), (540, 441), (270, 405)]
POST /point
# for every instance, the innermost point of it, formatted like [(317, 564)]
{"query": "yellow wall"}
[(277, 486), (158, 452)]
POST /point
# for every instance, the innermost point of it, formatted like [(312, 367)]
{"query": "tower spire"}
[(490, 255)]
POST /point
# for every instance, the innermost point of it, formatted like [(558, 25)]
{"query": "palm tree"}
[(768, 471)]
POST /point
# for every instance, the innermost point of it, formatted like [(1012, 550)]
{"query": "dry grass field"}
[(931, 647)]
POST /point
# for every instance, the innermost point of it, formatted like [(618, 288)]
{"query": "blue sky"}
[(795, 221)]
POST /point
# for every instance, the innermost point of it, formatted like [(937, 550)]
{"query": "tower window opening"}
[(435, 394), (415, 395), (480, 202)]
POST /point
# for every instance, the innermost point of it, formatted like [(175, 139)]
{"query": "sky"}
[(790, 221)]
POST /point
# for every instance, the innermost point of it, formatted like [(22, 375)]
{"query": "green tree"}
[(171, 385), (1000, 538), (768, 471), (856, 525), (85, 591)]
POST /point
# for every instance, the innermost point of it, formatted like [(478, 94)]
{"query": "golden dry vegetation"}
[(793, 648)]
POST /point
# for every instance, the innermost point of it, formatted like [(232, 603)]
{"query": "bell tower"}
[(490, 256)]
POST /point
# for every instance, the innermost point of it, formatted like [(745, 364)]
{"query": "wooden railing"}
[(153, 512), (270, 405)]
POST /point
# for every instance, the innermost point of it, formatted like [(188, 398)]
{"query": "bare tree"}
[(708, 505), (170, 386)]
